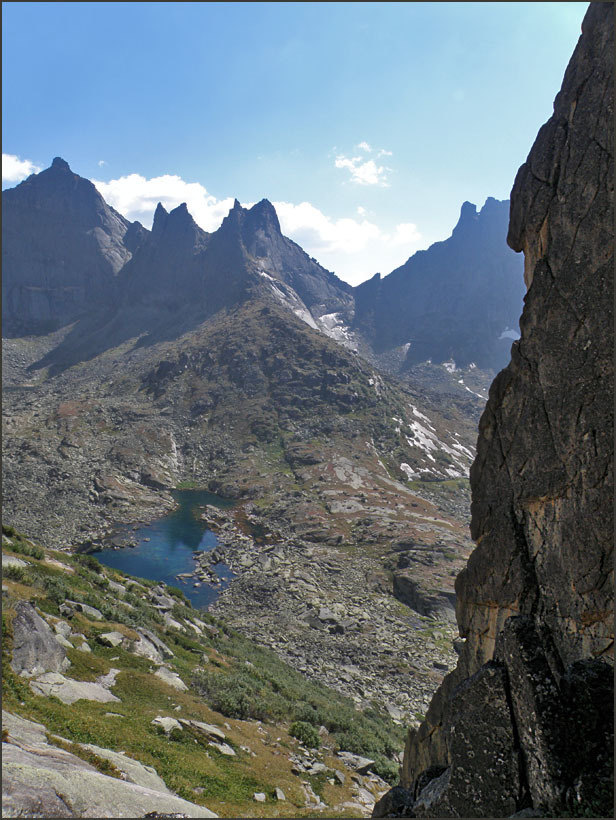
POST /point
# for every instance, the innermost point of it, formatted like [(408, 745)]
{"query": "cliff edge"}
[(524, 724)]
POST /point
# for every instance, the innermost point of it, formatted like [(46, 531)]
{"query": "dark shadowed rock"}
[(62, 247), (397, 802), (431, 602), (452, 301), (542, 490)]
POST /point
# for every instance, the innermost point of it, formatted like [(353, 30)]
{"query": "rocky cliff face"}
[(62, 247), (460, 299), (526, 718)]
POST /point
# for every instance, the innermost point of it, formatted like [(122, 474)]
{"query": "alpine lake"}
[(164, 549)]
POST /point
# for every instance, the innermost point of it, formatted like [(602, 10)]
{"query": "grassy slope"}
[(241, 680)]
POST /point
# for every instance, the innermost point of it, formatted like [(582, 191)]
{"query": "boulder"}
[(223, 748), (167, 723), (89, 611), (150, 646), (361, 765), (11, 561), (111, 639), (35, 648), (397, 802), (133, 771), (172, 678), (68, 691), (212, 732)]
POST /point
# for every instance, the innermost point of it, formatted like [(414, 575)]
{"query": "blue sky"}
[(367, 124)]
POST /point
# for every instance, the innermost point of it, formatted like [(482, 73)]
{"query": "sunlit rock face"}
[(535, 603)]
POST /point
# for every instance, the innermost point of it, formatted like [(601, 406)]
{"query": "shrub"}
[(305, 733), (386, 769), (239, 694), (26, 548), (90, 562), (14, 573), (306, 713), (55, 589)]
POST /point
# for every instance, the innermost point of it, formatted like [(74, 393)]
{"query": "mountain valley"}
[(228, 362)]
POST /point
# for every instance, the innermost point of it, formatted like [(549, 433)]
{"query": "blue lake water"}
[(173, 540)]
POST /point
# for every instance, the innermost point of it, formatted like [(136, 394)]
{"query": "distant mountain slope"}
[(70, 258), (460, 299)]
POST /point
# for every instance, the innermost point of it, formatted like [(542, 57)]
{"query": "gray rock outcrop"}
[(40, 780), (525, 721), (53, 684), (35, 648)]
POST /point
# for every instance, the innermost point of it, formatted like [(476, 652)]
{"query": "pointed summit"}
[(160, 218), (263, 215), (60, 164)]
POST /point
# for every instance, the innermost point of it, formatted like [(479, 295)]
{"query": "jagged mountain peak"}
[(60, 164), (160, 218), (178, 220), (265, 215), (261, 215)]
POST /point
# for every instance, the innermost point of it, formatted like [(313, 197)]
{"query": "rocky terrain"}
[(322, 464), (524, 725), (121, 700)]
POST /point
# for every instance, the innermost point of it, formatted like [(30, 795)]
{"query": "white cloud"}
[(311, 228), (101, 162), (15, 169), (406, 233), (136, 197), (363, 172), (354, 248)]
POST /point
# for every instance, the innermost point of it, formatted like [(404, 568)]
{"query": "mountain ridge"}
[(177, 270)]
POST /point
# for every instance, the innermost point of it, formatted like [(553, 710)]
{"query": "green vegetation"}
[(189, 485), (21, 545), (305, 733), (230, 679), (268, 689)]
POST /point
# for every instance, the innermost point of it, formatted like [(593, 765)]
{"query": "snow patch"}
[(289, 299), (408, 471), (450, 366), (419, 415), (423, 439), (484, 398), (332, 325)]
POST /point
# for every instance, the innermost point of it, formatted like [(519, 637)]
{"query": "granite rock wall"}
[(525, 721)]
